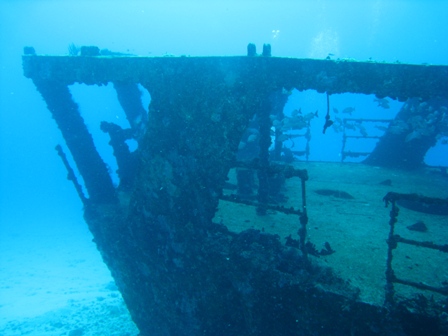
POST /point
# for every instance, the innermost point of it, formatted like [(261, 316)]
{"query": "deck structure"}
[(181, 273)]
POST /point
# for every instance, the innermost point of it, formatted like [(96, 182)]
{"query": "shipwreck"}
[(182, 266)]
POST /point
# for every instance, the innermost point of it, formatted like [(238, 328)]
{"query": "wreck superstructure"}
[(180, 272)]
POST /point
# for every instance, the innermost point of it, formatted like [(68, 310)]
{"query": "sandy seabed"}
[(53, 282), (357, 228)]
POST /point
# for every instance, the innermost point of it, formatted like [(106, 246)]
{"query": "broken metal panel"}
[(414, 131), (129, 96)]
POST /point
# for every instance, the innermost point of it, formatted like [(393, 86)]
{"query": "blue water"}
[(33, 184)]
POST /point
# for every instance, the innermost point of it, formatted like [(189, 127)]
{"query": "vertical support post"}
[(265, 143), (344, 141), (303, 222), (308, 139), (278, 100), (251, 50), (392, 244)]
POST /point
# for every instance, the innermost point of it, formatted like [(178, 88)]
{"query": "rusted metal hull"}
[(180, 273)]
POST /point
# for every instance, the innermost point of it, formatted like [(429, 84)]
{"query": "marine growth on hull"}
[(224, 216)]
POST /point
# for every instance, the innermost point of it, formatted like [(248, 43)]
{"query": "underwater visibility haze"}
[(223, 167)]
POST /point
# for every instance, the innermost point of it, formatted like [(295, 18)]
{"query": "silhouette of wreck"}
[(179, 272)]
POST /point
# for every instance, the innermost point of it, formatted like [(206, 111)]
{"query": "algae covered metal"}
[(178, 271)]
